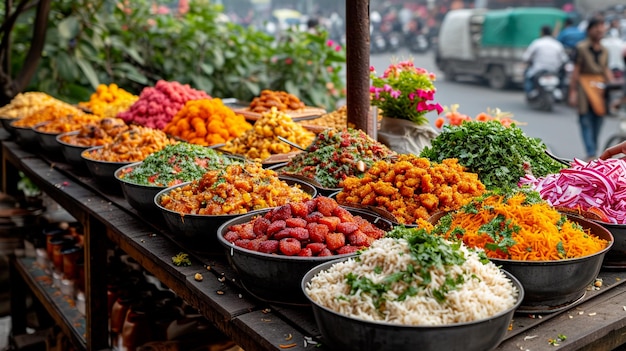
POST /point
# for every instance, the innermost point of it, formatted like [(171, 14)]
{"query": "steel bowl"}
[(276, 278), (47, 141), (551, 286), (346, 333), (25, 136), (139, 196), (201, 228), (102, 171), (71, 152), (616, 257)]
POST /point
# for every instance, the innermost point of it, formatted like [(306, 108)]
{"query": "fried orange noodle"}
[(518, 227)]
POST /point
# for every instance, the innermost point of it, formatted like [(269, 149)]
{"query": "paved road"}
[(558, 129)]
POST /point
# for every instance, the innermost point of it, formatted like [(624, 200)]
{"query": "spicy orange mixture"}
[(518, 227), (412, 187), (132, 145), (236, 189), (67, 124)]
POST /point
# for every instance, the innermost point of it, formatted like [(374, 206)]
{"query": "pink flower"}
[(330, 43), (395, 93), (288, 61), (338, 48), (387, 88)]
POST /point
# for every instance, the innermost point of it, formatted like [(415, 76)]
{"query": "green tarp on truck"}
[(518, 27)]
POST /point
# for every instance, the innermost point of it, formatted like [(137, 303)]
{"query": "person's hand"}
[(572, 98), (614, 150)]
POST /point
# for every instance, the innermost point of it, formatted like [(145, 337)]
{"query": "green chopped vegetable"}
[(499, 155), (175, 164), (428, 251), (181, 260)]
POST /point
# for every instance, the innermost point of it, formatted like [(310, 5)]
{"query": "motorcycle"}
[(546, 90), (416, 36)]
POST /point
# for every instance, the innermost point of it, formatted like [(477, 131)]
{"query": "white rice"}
[(485, 292)]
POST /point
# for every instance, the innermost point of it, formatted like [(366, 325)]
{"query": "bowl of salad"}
[(174, 164), (335, 155)]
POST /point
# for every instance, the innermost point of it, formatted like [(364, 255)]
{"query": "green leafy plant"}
[(128, 43)]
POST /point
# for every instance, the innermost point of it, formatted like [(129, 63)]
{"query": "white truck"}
[(489, 43)]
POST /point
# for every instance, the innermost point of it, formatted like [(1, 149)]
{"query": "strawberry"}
[(296, 222), (289, 246), (305, 252), (275, 227), (325, 252), (347, 249), (301, 234), (346, 227), (242, 242), (299, 209), (316, 248), (231, 236), (335, 241), (247, 232), (311, 205), (254, 244), (269, 246), (358, 238), (317, 232), (260, 226), (330, 221), (326, 205), (285, 233), (343, 214), (314, 216), (282, 212)]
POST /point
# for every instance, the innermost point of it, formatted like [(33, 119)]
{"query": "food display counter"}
[(595, 322)]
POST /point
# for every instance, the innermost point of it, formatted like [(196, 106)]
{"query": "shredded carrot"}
[(510, 228)]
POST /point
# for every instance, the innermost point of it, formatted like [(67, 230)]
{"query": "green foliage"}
[(125, 42), (499, 155)]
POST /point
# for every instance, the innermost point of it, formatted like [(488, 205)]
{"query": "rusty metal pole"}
[(358, 65)]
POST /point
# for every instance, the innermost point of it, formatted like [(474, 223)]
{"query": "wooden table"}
[(598, 322)]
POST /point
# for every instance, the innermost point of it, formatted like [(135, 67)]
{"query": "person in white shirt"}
[(544, 53)]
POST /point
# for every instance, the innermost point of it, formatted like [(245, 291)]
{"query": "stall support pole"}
[(358, 65)]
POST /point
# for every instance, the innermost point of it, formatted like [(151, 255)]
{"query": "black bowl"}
[(201, 228), (47, 141), (25, 136), (6, 124), (102, 171), (551, 286), (346, 333), (276, 278), (139, 196), (71, 152), (616, 257)]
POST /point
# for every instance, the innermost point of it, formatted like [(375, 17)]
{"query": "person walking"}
[(589, 78)]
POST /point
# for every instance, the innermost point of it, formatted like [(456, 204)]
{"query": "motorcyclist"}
[(543, 54), (570, 35)]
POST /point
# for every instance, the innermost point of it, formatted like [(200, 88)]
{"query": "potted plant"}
[(404, 95)]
